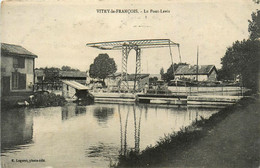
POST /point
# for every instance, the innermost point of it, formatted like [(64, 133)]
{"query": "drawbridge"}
[(126, 46)]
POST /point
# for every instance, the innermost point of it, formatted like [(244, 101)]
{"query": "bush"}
[(46, 100)]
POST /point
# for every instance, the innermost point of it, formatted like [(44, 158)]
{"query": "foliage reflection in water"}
[(88, 136)]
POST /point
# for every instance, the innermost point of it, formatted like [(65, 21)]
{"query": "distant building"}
[(39, 75), (113, 81), (17, 70), (77, 76), (205, 72), (144, 80), (51, 79)]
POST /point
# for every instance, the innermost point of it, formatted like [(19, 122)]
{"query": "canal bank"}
[(230, 138), (173, 99)]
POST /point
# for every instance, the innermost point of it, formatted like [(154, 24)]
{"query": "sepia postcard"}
[(125, 83)]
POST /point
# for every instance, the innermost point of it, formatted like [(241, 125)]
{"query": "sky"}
[(57, 31)]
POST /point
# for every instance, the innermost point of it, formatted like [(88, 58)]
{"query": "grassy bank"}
[(171, 149)]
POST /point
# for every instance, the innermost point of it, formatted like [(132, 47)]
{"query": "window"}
[(18, 62), (15, 77), (18, 81)]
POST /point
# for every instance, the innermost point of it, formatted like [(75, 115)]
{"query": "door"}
[(6, 85)]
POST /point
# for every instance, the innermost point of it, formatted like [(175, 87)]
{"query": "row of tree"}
[(52, 73), (242, 59), (63, 68)]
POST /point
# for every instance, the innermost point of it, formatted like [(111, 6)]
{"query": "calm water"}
[(86, 136)]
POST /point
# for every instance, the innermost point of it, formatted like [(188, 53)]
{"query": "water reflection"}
[(102, 150), (137, 129), (16, 128), (181, 116), (89, 136), (102, 114), (70, 110)]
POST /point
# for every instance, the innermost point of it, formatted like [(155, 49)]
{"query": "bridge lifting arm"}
[(126, 46)]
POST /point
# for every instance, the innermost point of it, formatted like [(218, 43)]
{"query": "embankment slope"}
[(234, 142)]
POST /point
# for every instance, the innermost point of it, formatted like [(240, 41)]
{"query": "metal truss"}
[(145, 43), (126, 46), (125, 52), (124, 76), (137, 68)]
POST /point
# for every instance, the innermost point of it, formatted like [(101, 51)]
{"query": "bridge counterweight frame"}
[(126, 46)]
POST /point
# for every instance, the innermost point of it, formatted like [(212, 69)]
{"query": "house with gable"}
[(17, 70), (205, 72)]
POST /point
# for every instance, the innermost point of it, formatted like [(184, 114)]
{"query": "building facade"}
[(50, 79), (77, 76), (17, 70), (205, 72), (114, 81)]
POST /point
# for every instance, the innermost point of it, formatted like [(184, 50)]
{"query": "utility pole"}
[(197, 72), (173, 73)]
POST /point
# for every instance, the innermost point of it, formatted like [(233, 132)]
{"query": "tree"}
[(102, 67), (242, 59), (169, 75), (51, 74), (254, 26), (162, 73), (224, 74), (68, 68)]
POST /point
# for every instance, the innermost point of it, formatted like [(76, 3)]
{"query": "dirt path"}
[(234, 142)]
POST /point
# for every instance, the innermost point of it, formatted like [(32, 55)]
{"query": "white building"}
[(17, 70), (205, 72)]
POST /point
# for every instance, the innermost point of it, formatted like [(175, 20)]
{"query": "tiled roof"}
[(192, 70), (16, 50), (73, 74)]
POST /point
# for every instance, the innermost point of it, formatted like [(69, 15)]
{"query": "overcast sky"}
[(58, 31)]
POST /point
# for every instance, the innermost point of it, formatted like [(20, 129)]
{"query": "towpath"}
[(234, 142)]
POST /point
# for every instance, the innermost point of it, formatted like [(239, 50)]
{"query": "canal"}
[(87, 136)]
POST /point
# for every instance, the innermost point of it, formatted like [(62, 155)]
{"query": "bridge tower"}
[(126, 46)]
